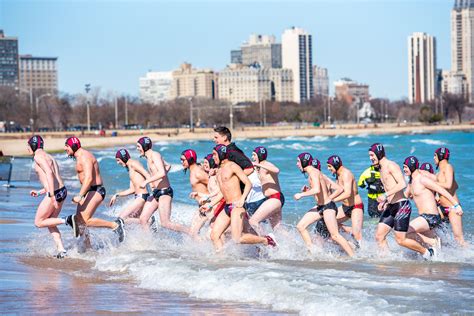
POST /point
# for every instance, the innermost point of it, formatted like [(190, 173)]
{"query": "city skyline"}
[(103, 44)]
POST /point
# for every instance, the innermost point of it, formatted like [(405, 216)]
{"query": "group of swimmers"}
[(236, 195)]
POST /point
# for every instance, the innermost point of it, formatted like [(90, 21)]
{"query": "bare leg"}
[(198, 222), (266, 210), (246, 238), (402, 240), (148, 209), (88, 208), (134, 208), (418, 226), (164, 207), (44, 218), (357, 219), (309, 218), (456, 226), (381, 235), (331, 223), (219, 227)]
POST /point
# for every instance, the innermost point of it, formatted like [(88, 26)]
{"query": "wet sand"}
[(15, 143)]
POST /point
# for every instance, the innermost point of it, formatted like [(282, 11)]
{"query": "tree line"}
[(70, 111)]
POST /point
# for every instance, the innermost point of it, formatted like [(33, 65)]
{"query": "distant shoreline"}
[(15, 143)]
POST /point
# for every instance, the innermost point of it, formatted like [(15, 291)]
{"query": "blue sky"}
[(112, 43)]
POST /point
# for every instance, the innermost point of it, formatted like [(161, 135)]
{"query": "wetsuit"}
[(370, 179)]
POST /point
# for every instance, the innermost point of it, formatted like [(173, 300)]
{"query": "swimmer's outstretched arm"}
[(268, 166), (336, 188), (347, 189), (433, 186), (137, 166)]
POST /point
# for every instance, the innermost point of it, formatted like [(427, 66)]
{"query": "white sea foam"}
[(428, 141), (353, 143), (175, 167), (277, 146), (299, 146)]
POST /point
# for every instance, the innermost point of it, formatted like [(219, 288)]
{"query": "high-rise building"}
[(321, 81), (421, 68), (156, 86), (39, 74), (190, 82), (296, 55), (349, 91), (259, 49), (453, 82), (240, 83), (462, 41), (9, 68)]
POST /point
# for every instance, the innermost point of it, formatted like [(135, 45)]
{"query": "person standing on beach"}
[(229, 176), (268, 175), (446, 178), (137, 175), (92, 191), (160, 184), (352, 207), (422, 189), (54, 190), (223, 136), (326, 209), (370, 179), (396, 207)]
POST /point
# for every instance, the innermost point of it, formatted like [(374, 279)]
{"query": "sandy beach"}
[(12, 143)]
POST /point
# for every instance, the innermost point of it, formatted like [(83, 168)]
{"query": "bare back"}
[(389, 173), (156, 165), (446, 174), (87, 160), (316, 178), (44, 163), (348, 176)]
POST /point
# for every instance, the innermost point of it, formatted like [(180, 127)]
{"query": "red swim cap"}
[(74, 143), (190, 156)]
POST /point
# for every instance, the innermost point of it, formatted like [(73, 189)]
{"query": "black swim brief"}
[(397, 215), (348, 209), (144, 196), (330, 206), (159, 192), (99, 188), (433, 220), (60, 194)]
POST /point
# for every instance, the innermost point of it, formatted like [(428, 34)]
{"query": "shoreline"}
[(11, 144)]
